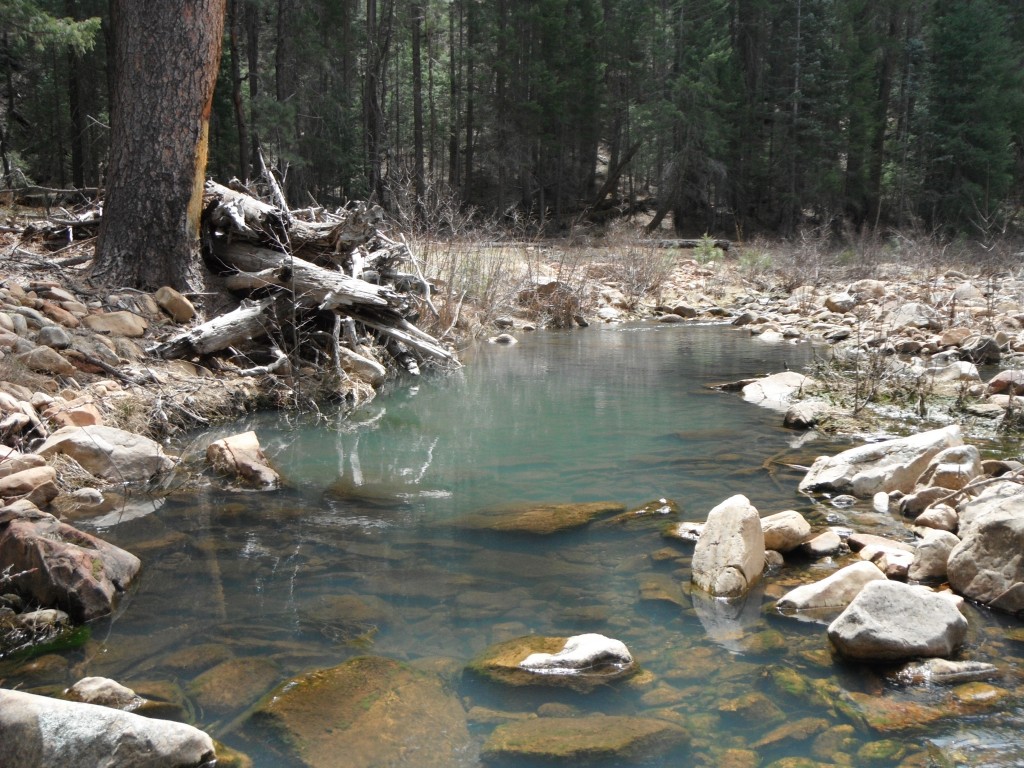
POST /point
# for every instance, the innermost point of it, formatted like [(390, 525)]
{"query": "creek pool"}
[(359, 555)]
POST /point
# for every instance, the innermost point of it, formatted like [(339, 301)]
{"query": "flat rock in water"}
[(891, 621), (504, 663), (891, 465), (572, 740), (778, 390), (539, 519), (367, 712)]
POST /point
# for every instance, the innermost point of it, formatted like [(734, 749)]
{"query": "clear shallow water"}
[(358, 555)]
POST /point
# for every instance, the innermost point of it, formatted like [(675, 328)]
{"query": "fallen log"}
[(312, 286), (234, 328)]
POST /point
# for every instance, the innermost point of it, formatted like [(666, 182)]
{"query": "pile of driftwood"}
[(321, 288)]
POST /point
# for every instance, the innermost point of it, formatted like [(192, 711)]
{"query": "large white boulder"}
[(729, 556), (891, 621), (987, 565), (40, 732), (891, 465), (834, 591)]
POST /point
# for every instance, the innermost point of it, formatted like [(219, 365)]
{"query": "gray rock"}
[(931, 555), (110, 453), (840, 302), (891, 465), (39, 732), (778, 390), (104, 692), (54, 336), (952, 468), (914, 315), (729, 556), (785, 531), (940, 517), (824, 544), (946, 672), (834, 591), (806, 414), (890, 621), (986, 565)]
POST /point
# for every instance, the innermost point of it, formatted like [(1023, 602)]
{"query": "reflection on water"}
[(358, 555)]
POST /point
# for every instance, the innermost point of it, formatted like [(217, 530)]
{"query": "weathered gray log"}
[(413, 337), (241, 213), (240, 325), (313, 286)]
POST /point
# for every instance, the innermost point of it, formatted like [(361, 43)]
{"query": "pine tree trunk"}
[(165, 65)]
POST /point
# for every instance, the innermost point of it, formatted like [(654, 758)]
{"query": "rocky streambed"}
[(895, 604)]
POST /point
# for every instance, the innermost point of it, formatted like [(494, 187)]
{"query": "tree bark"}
[(165, 66)]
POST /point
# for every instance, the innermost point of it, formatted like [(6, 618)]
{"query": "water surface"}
[(617, 413)]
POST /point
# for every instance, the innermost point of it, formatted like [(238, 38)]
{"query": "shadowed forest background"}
[(736, 117)]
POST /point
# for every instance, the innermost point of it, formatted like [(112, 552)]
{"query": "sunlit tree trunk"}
[(165, 61)]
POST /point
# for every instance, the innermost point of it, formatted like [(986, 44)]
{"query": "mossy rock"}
[(576, 740), (369, 711), (538, 519), (500, 663), (884, 752)]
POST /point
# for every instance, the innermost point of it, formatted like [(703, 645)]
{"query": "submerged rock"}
[(891, 465), (581, 663), (729, 556), (539, 519), (946, 672), (369, 711), (572, 740), (890, 621)]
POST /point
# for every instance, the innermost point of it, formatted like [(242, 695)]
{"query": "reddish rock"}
[(67, 568), (1006, 382)]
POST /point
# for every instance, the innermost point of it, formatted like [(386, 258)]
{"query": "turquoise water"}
[(618, 413)]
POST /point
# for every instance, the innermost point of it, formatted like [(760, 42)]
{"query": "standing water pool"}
[(363, 554)]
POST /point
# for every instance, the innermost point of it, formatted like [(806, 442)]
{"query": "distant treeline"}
[(727, 116)]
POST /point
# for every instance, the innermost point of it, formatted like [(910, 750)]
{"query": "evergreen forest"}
[(735, 117)]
